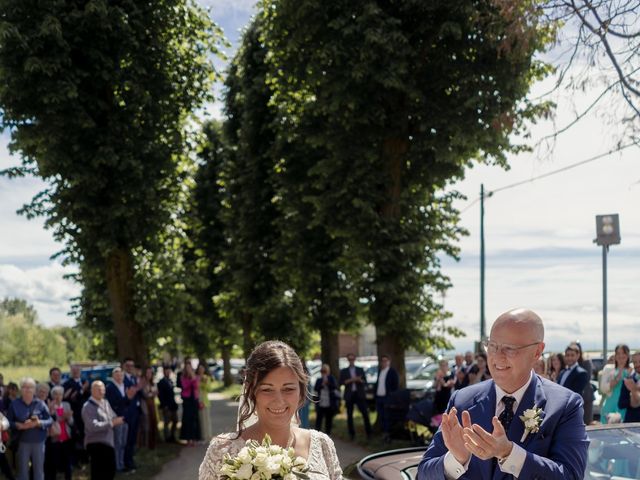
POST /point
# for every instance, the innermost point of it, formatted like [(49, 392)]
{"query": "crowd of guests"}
[(618, 384), (617, 381), (52, 427)]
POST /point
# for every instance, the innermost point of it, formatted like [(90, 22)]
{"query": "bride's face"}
[(277, 396)]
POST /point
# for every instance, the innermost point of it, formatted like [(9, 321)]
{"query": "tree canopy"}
[(399, 98), (96, 95)]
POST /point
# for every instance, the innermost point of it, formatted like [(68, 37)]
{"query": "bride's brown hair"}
[(265, 358)]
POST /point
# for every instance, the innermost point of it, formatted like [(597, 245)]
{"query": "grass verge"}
[(149, 462)]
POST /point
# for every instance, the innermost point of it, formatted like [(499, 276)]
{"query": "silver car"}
[(614, 454)]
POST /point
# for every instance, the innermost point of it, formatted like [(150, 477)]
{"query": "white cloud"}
[(43, 287)]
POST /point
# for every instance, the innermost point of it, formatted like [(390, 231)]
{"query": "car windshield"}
[(412, 367), (426, 373), (614, 454)]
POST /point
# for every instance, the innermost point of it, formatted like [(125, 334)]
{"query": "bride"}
[(274, 390)]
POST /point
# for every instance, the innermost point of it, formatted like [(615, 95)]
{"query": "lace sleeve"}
[(210, 466), (331, 458)]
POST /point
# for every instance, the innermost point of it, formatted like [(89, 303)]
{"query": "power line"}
[(551, 173)]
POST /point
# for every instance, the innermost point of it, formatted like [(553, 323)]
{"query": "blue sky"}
[(539, 250)]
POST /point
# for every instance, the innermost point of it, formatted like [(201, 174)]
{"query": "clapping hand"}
[(453, 434), (485, 445), (630, 384)]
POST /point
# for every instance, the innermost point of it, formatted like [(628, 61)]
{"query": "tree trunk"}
[(226, 365), (129, 336), (389, 342), (329, 350)]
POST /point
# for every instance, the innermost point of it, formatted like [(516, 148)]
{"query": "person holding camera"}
[(29, 419)]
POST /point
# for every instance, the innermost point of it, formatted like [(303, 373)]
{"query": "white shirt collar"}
[(572, 367), (518, 394)]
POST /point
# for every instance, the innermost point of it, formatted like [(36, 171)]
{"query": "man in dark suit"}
[(630, 392), (483, 436), (119, 400), (55, 380), (76, 392), (355, 381), (132, 415), (168, 404), (386, 383), (573, 377)]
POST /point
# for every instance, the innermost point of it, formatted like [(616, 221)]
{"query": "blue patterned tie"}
[(507, 414)]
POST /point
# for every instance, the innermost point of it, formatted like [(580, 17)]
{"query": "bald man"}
[(99, 422), (482, 433)]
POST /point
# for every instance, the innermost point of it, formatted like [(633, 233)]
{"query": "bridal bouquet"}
[(264, 462)]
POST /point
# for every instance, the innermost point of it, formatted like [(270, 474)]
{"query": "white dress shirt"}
[(515, 461), (382, 380)]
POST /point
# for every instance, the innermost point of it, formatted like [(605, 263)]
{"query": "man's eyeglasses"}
[(510, 351)]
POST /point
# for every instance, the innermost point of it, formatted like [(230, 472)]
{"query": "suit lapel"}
[(534, 396)]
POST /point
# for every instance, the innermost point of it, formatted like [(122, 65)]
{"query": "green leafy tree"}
[(210, 330), (25, 342), (400, 97), (96, 95), (252, 294)]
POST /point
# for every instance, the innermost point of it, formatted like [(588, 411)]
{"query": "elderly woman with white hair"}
[(29, 418), (42, 391), (59, 449)]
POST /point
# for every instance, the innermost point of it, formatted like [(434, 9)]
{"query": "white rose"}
[(244, 455), (287, 462), (300, 462), (260, 459), (244, 472), (275, 449), (531, 423), (255, 476), (273, 466), (228, 470), (529, 414), (290, 476)]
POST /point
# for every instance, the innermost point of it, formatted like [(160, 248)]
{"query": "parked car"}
[(614, 454), (94, 372), (422, 383)]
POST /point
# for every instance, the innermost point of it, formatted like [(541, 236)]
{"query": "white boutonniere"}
[(532, 418)]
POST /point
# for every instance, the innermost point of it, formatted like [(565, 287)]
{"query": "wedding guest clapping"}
[(30, 418), (99, 422), (327, 397), (611, 384)]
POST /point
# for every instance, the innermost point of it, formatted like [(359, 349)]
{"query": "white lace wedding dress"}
[(323, 459)]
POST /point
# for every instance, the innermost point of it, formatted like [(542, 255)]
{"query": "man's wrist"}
[(462, 461), (505, 453)]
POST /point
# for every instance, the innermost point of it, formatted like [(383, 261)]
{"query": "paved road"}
[(223, 417)]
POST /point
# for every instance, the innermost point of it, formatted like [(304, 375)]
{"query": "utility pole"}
[(482, 318)]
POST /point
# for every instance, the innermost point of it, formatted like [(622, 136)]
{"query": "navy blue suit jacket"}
[(133, 410), (633, 414), (558, 451), (348, 389), (118, 402), (577, 380)]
